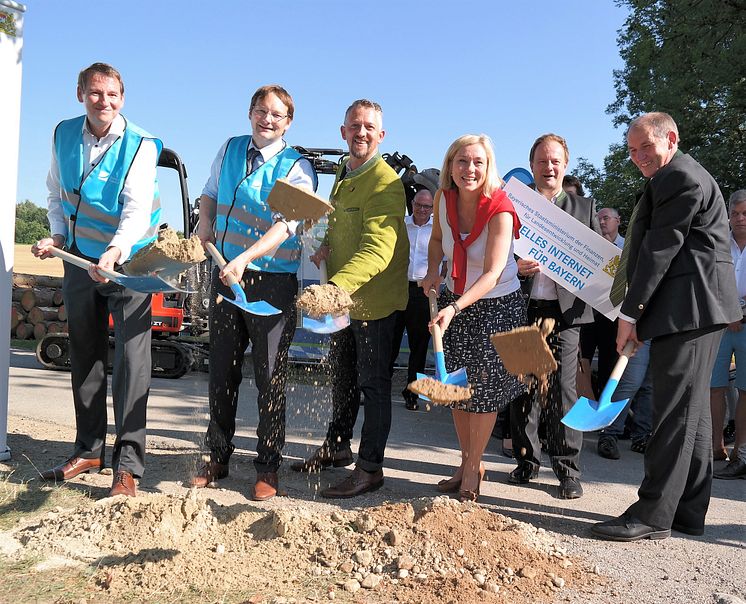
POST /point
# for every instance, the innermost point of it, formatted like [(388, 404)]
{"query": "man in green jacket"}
[(367, 253)]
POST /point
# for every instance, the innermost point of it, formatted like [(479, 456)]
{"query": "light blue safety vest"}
[(92, 204), (243, 216)]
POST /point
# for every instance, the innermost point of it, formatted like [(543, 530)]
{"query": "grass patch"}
[(21, 582), (23, 344), (29, 500)]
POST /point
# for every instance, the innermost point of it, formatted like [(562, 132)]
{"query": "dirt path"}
[(399, 544)]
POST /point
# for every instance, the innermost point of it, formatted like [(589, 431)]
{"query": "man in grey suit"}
[(548, 159), (682, 293)]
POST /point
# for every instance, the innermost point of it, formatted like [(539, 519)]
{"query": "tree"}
[(687, 58), (31, 223)]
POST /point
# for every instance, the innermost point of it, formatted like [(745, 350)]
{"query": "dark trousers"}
[(231, 330), (88, 306), (526, 411), (415, 319), (678, 458), (359, 357), (601, 335)]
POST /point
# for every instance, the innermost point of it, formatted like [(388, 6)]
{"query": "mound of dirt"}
[(169, 252), (429, 550), (319, 300)]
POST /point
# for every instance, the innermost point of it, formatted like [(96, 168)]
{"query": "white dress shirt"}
[(137, 193), (419, 239)]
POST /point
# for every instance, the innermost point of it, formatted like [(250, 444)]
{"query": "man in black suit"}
[(548, 159), (682, 294)]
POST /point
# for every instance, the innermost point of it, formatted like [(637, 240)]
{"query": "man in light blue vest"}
[(104, 205), (263, 251)]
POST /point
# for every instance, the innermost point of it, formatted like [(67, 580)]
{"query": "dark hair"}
[(104, 69), (548, 138), (573, 181), (279, 92)]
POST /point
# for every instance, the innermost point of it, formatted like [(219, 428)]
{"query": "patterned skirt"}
[(466, 343)]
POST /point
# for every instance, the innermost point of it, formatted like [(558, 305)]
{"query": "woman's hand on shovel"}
[(443, 318), (236, 267)]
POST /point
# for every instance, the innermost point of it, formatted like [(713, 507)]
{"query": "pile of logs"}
[(37, 307)]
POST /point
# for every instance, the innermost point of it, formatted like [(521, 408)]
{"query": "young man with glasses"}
[(263, 251)]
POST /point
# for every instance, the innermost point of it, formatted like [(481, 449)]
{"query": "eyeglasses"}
[(269, 115), (421, 206)]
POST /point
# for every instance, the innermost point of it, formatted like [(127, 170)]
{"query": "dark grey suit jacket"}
[(574, 310), (680, 271)]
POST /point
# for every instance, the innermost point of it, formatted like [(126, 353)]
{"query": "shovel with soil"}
[(446, 387), (260, 307), (145, 284), (325, 307), (168, 256)]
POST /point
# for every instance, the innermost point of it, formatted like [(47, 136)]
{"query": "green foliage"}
[(687, 58), (31, 223)]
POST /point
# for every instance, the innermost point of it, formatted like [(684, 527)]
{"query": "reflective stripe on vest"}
[(92, 205), (243, 215)]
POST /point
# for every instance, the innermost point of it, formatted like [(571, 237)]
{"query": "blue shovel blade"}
[(260, 308), (587, 415), (326, 323)]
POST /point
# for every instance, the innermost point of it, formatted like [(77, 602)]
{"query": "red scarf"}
[(487, 207)]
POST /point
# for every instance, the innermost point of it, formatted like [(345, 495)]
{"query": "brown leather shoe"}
[(323, 458), (209, 473), (123, 484), (355, 484), (265, 487), (71, 468)]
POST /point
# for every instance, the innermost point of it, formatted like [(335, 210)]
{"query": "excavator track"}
[(171, 359)]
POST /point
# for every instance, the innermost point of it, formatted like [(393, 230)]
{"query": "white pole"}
[(11, 44)]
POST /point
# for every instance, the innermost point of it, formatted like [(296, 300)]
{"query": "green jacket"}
[(369, 246)]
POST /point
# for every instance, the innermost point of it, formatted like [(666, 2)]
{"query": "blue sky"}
[(440, 69)]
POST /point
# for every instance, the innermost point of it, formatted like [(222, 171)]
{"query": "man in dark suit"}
[(682, 293), (548, 159)]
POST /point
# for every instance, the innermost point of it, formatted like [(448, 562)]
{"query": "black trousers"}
[(526, 411), (231, 330), (415, 319), (601, 335), (88, 306), (360, 357), (678, 458)]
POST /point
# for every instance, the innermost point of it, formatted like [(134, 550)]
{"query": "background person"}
[(263, 251), (475, 224), (104, 206), (548, 159), (416, 316), (733, 343)]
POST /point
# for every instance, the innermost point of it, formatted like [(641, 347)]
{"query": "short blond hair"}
[(492, 181), (549, 138)]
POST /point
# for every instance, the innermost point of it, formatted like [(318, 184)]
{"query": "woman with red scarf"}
[(474, 226)]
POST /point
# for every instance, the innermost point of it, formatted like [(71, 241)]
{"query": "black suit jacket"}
[(680, 271), (574, 310)]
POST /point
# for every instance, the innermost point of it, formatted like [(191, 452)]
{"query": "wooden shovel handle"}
[(432, 298), (621, 364), (220, 261), (323, 275), (80, 262)]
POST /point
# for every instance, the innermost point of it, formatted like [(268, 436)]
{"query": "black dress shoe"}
[(628, 528), (355, 484), (570, 488), (735, 469), (323, 458), (524, 473), (71, 468), (411, 400), (607, 447)]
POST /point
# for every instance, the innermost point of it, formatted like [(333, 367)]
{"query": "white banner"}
[(568, 252)]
